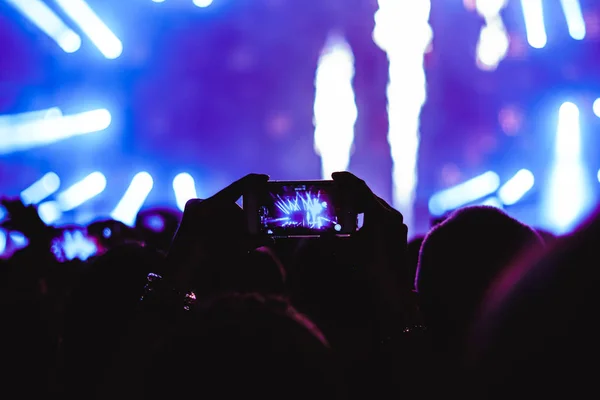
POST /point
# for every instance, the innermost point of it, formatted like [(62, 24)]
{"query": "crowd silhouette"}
[(483, 306)]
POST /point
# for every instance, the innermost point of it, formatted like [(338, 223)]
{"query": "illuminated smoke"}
[(402, 30)]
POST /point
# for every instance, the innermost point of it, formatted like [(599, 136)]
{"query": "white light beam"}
[(82, 191), (96, 30), (402, 30), (53, 127), (533, 12), (516, 187), (41, 15), (335, 110), (133, 199), (41, 189), (464, 193), (184, 188), (574, 16)]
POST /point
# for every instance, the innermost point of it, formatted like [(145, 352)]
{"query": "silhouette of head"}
[(263, 273), (538, 335), (458, 261), (548, 237)]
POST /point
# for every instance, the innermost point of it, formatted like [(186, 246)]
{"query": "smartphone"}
[(74, 243), (298, 209)]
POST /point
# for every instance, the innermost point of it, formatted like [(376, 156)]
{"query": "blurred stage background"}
[(417, 97)]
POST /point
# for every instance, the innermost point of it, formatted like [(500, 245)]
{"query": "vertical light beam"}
[(184, 188), (41, 15), (41, 189), (533, 12), (82, 191), (133, 199), (574, 16), (568, 196), (96, 30), (335, 109), (402, 30)]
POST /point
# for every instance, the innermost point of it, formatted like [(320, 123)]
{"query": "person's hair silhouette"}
[(459, 259), (538, 335)]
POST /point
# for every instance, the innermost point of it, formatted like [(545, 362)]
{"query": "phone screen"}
[(302, 209), (72, 244)]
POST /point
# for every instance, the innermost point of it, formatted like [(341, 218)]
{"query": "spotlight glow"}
[(514, 190), (596, 107), (492, 202), (569, 196), (184, 188), (465, 193), (82, 191), (17, 134), (133, 199), (335, 110), (574, 16), (41, 189), (402, 30), (49, 212), (96, 30), (493, 40), (203, 3), (533, 12), (3, 241), (41, 15)]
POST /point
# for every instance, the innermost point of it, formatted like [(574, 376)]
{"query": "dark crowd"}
[(482, 307)]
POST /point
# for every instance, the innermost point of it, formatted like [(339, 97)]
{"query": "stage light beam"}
[(132, 201), (464, 193), (203, 3), (16, 135), (82, 191), (569, 195), (574, 16), (596, 107), (492, 202), (402, 30), (44, 18), (41, 189), (184, 188), (93, 27), (335, 109), (512, 191), (49, 212), (533, 12)]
